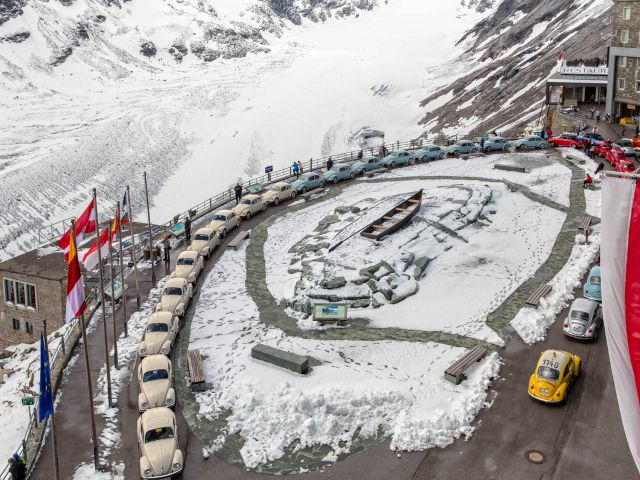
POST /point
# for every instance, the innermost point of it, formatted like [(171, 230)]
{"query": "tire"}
[(321, 184), (224, 233), (276, 202), (352, 175), (362, 172), (573, 145), (487, 149), (393, 164), (293, 194), (424, 158), (506, 148), (248, 216), (335, 180), (518, 147), (304, 189), (441, 156), (474, 150), (264, 207), (552, 144)]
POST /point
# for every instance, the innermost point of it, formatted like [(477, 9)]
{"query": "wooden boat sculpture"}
[(394, 219)]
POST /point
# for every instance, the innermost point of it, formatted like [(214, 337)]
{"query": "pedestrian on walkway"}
[(595, 129), (329, 164), (296, 169), (482, 144), (598, 116), (578, 130), (593, 111), (166, 248), (238, 191), (17, 469), (638, 129), (587, 147), (624, 129), (187, 229), (549, 133), (300, 167)]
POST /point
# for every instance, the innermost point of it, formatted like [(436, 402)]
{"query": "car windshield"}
[(158, 434), (578, 315), (548, 373), (157, 327), (222, 218), (597, 136), (172, 291), (201, 236), (186, 261), (246, 201), (625, 143), (595, 280), (152, 375)]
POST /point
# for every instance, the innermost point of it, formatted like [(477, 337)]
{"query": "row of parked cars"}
[(556, 370)]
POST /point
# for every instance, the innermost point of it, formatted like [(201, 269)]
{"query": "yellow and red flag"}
[(76, 303)]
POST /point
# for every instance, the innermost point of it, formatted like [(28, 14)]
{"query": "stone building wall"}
[(631, 71)]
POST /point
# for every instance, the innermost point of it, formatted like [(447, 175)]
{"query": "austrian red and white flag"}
[(90, 257), (76, 303), (620, 263), (85, 224)]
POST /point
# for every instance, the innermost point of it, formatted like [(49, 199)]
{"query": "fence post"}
[(311, 164), (62, 337), (398, 143), (24, 451)]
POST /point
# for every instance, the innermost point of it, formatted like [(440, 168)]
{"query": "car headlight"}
[(192, 277), (147, 471), (142, 351), (144, 405), (164, 351), (170, 402), (177, 466)]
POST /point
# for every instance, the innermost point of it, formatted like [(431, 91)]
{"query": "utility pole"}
[(113, 296), (54, 442), (146, 193), (134, 260), (124, 291), (104, 312)]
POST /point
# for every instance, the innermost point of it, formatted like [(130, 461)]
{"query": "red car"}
[(601, 149), (566, 140), (625, 166), (615, 156)]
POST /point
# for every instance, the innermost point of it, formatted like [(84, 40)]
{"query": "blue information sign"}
[(268, 169)]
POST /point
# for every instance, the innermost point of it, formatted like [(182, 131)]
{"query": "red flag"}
[(85, 224), (76, 303), (90, 258), (560, 55)]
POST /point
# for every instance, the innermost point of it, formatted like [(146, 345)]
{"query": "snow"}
[(359, 386), (532, 324)]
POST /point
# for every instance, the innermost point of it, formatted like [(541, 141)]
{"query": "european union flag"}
[(45, 402)]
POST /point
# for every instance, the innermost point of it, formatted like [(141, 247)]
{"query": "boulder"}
[(362, 303), (331, 283), (373, 286), (421, 265), (377, 300), (403, 291), (148, 49)]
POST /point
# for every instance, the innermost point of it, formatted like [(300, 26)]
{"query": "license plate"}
[(545, 391)]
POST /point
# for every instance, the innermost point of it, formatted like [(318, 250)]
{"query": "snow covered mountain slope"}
[(499, 80)]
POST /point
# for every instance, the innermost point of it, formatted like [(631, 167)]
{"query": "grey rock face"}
[(334, 283), (16, 37), (148, 49)]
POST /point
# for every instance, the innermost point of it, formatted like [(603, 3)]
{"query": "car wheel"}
[(248, 216), (487, 149), (304, 189), (293, 194), (506, 148), (362, 172), (321, 184), (264, 207), (573, 145), (424, 158), (224, 233), (351, 175), (518, 147), (393, 164), (335, 180), (552, 144), (441, 156)]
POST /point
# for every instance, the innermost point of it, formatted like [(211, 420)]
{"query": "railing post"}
[(62, 337), (311, 164), (24, 450)]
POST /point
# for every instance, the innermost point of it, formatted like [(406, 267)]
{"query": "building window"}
[(21, 294), (626, 13), (9, 293), (623, 61), (16, 324), (28, 327), (637, 86), (31, 296), (621, 84), (624, 36)]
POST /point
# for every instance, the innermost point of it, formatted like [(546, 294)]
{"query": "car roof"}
[(252, 196), (368, 157), (188, 254), (340, 165), (429, 145), (205, 230), (584, 305), (155, 362), (157, 418), (280, 184), (496, 138), (160, 317), (556, 356), (175, 282), (595, 270), (223, 212)]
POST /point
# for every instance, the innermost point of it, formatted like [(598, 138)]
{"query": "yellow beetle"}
[(554, 374)]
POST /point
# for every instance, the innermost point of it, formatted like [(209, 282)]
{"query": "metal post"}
[(146, 193), (124, 291), (104, 310), (133, 248), (113, 296), (54, 440)]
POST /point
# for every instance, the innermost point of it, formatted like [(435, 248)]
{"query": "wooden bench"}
[(196, 371), (280, 358), (373, 173), (585, 224), (235, 242), (455, 373), (538, 293), (510, 168)]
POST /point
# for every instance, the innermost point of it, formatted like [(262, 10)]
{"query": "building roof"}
[(43, 262), (568, 79)]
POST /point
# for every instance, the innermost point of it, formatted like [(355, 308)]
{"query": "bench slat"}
[(235, 242), (455, 373), (196, 370), (538, 293)]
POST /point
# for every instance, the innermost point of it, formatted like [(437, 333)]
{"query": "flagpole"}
[(124, 290), (54, 440), (146, 193), (104, 311), (94, 436), (113, 297), (133, 252)]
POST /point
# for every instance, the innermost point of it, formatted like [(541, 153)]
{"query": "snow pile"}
[(356, 387), (532, 324), (592, 195)]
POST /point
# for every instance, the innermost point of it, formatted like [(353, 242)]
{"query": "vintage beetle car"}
[(530, 141), (224, 221), (250, 205), (159, 334), (592, 289), (205, 242), (584, 319), (462, 146), (308, 181), (626, 145), (175, 297), (555, 372), (566, 140), (157, 435), (279, 192), (338, 172), (601, 149), (188, 266), (394, 159), (594, 137), (626, 166), (492, 144), (430, 152), (156, 383), (615, 156), (367, 164)]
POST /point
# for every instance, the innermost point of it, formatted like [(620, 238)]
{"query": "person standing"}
[(300, 167), (623, 130), (296, 169), (329, 164), (17, 469), (587, 147), (638, 129), (187, 229), (238, 191), (598, 116), (166, 248), (482, 144), (595, 129), (593, 111), (549, 133), (360, 155)]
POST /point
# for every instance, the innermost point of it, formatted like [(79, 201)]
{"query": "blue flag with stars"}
[(45, 402)]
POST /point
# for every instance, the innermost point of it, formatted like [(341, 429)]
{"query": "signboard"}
[(117, 289), (329, 312), (28, 401), (268, 169), (584, 70)]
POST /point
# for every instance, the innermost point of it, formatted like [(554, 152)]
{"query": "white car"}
[(176, 296), (224, 221), (160, 456), (205, 242), (188, 266), (279, 192), (155, 379), (161, 331), (250, 205), (584, 319)]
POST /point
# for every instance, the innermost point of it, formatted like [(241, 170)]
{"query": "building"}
[(578, 81), (623, 94), (33, 288)]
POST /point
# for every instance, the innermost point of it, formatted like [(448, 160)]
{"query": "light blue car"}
[(307, 181), (366, 164), (338, 172), (530, 141), (394, 159), (462, 146), (592, 288), (495, 144), (430, 152)]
